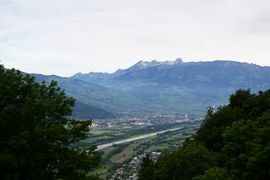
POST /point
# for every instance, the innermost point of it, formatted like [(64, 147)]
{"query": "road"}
[(103, 146)]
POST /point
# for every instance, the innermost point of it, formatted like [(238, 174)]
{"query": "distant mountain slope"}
[(177, 86), (84, 111), (219, 73), (92, 96)]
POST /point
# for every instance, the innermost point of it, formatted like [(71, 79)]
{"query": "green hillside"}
[(233, 143), (90, 94), (84, 111)]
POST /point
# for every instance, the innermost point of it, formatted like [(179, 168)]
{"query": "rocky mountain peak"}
[(146, 64)]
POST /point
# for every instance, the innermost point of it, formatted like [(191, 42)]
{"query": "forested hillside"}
[(233, 142), (92, 101)]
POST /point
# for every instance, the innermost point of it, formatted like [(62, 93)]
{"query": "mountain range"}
[(151, 87)]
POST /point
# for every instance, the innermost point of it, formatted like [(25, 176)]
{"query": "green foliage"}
[(233, 143), (35, 133), (210, 132), (189, 161), (247, 148), (213, 174), (147, 168)]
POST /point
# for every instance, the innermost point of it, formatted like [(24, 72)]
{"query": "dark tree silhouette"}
[(36, 133)]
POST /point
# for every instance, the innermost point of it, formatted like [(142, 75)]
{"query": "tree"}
[(147, 168), (247, 148), (190, 160), (36, 133), (213, 174), (232, 143)]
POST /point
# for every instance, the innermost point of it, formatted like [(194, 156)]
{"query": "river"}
[(103, 146)]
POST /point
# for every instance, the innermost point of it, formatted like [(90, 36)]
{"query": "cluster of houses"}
[(134, 167), (135, 164)]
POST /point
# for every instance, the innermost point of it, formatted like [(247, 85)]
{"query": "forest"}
[(233, 142)]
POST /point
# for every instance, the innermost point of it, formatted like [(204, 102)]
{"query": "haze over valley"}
[(160, 88)]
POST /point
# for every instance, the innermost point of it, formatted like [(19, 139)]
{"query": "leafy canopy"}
[(36, 133), (232, 143)]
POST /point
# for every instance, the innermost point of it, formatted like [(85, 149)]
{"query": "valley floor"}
[(123, 147)]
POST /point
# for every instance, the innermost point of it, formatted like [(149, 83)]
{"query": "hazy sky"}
[(68, 36)]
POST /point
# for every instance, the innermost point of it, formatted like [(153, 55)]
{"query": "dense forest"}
[(233, 143)]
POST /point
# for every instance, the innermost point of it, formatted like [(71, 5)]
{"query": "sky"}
[(64, 37)]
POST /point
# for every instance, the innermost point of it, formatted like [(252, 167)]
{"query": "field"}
[(105, 135), (119, 156)]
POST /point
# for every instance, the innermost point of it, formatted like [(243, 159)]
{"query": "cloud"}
[(65, 36)]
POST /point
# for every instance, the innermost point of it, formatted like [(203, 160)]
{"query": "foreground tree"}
[(36, 132), (191, 160), (147, 168)]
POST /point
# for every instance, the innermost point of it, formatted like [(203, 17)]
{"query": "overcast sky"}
[(67, 36)]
